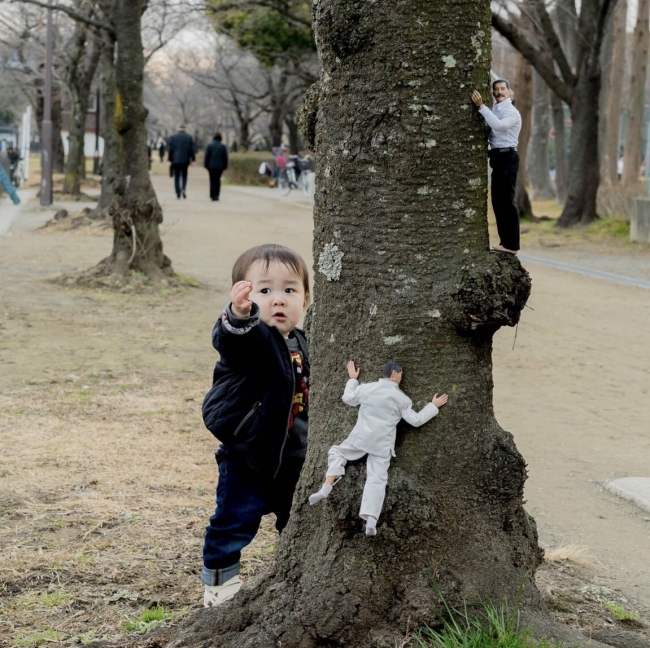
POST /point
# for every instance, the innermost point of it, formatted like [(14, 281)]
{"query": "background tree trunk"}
[(613, 92), (135, 210), (561, 161), (537, 163), (524, 101), (111, 160), (402, 271), (79, 78), (636, 105), (295, 141)]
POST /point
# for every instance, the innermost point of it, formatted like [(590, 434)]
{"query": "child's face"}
[(279, 293)]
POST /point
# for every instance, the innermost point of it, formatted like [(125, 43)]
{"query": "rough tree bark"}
[(636, 105), (135, 210), (524, 102), (540, 181), (79, 77), (580, 88), (613, 92), (402, 270)]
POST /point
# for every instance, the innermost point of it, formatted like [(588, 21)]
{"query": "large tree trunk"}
[(561, 161), (540, 180), (611, 118), (524, 101), (79, 78), (636, 104), (135, 210), (403, 271)]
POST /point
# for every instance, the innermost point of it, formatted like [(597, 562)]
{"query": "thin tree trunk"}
[(111, 159), (561, 161), (524, 102), (402, 271), (636, 105), (294, 135), (538, 171), (244, 134), (613, 90), (58, 154), (79, 78)]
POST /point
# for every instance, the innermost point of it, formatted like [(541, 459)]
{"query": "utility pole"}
[(46, 133)]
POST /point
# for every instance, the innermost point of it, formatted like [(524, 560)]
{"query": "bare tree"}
[(524, 99), (538, 167)]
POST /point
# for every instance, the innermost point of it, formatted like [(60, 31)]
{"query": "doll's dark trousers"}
[(505, 166)]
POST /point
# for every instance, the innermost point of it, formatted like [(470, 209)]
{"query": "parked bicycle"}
[(297, 174)]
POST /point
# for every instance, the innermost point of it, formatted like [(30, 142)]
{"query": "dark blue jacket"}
[(250, 401), (181, 148), (216, 156)]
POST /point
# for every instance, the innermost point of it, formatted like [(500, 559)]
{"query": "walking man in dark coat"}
[(216, 162), (181, 155)]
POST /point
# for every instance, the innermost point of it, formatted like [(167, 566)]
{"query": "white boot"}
[(217, 594)]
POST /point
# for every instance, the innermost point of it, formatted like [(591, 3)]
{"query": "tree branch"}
[(71, 13), (280, 8), (554, 44), (533, 56)]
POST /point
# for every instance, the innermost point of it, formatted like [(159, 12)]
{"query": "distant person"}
[(181, 155), (216, 162), (504, 121), (14, 157), (619, 168), (161, 151)]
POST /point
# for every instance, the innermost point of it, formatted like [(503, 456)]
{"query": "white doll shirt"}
[(382, 406)]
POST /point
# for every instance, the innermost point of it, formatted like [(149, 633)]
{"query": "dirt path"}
[(574, 391)]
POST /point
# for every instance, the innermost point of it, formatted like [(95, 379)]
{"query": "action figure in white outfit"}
[(382, 405)]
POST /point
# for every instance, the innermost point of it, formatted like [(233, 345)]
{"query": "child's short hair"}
[(267, 253), (389, 367)]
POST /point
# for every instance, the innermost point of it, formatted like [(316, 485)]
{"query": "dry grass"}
[(570, 553), (105, 488)]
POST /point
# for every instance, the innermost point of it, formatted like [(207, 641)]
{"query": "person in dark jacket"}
[(257, 407), (181, 155), (216, 162)]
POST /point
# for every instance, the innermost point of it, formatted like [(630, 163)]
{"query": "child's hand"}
[(439, 401), (241, 305), (353, 372)]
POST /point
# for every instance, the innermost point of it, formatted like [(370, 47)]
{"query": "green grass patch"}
[(38, 638), (243, 168), (620, 613), (615, 227), (149, 619), (184, 280)]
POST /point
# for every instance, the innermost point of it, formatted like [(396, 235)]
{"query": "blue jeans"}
[(242, 499)]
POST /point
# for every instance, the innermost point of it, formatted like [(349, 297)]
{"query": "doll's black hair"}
[(389, 367)]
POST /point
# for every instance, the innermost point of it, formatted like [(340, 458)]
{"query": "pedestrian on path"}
[(504, 121), (216, 162), (181, 155)]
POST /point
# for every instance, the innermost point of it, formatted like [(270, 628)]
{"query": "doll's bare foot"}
[(500, 248), (371, 526), (324, 492)]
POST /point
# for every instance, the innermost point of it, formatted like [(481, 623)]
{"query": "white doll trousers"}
[(376, 475)]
